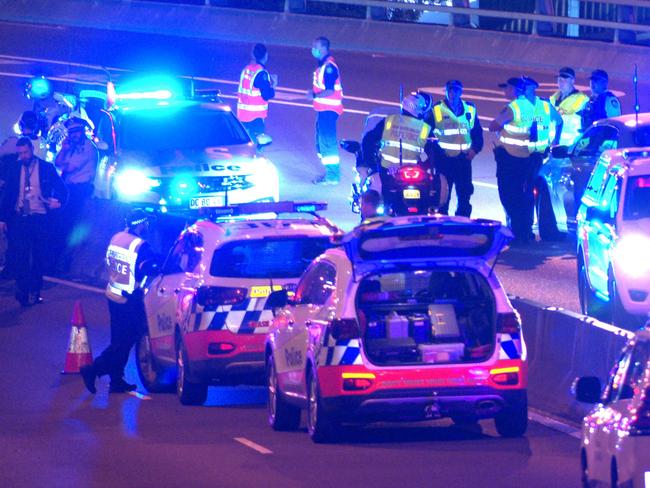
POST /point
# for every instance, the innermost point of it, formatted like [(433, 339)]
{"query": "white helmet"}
[(414, 105)]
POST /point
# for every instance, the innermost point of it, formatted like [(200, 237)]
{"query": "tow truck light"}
[(357, 381), (505, 376), (212, 296), (411, 174), (508, 323)]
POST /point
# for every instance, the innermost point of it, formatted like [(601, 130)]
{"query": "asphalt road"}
[(54, 433)]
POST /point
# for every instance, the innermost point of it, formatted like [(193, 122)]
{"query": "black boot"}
[(121, 386)]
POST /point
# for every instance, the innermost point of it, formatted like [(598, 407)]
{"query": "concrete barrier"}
[(564, 345)]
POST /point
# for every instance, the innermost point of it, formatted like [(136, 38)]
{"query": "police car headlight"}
[(265, 178), (134, 182), (631, 255)]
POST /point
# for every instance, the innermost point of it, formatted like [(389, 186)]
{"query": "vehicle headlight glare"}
[(133, 182), (632, 255)]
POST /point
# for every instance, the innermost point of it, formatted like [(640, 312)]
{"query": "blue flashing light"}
[(151, 88), (147, 95), (183, 186), (39, 88), (134, 182)]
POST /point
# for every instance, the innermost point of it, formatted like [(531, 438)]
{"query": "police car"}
[(179, 153), (207, 315), (615, 447), (405, 321), (563, 177), (614, 238)]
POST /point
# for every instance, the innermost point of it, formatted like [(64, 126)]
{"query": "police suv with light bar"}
[(207, 314), (179, 153), (406, 322)]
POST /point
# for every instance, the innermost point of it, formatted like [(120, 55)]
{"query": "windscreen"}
[(642, 136), (267, 258), (637, 198), (176, 129)]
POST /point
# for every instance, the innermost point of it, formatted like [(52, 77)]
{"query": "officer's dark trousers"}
[(458, 171), (255, 127), (127, 322), (28, 241), (514, 179), (72, 230), (326, 142)]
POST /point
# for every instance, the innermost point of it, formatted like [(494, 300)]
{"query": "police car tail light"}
[(344, 329), (357, 381), (508, 323), (505, 376), (411, 174), (641, 416), (208, 296)]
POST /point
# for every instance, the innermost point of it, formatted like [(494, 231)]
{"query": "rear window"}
[(642, 136), (636, 198), (267, 258), (184, 128)]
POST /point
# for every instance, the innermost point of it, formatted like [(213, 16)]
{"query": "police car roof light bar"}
[(268, 207)]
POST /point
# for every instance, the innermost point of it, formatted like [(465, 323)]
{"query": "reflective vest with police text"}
[(333, 102), (542, 123), (121, 258), (454, 131), (568, 108), (250, 104), (413, 134), (514, 137)]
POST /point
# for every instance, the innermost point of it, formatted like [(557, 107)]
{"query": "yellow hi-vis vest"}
[(568, 109), (543, 120), (514, 137), (454, 132), (121, 258), (413, 134)]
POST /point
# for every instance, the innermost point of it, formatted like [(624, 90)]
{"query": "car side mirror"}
[(352, 147), (560, 152), (278, 299), (588, 389)]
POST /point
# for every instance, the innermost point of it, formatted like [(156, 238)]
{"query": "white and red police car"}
[(405, 321), (206, 311)]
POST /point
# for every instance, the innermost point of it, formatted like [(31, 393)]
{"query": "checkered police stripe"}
[(241, 318), (509, 346), (339, 353)]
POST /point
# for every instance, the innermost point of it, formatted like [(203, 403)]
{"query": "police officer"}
[(513, 158), (369, 207), (256, 88), (569, 102), (603, 103), (128, 259), (460, 139), (29, 127), (327, 98)]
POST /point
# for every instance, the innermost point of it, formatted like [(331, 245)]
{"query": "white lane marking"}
[(253, 445), (55, 78), (72, 284), (554, 424), (139, 396), (485, 185), (63, 63)]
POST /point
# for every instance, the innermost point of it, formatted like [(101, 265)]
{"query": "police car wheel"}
[(320, 425), (619, 316), (590, 304), (189, 393), (512, 421), (281, 415), (150, 373)]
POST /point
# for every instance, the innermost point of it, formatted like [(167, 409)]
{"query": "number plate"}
[(411, 194), (202, 202)]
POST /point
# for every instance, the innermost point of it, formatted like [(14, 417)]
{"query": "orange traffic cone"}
[(79, 353)]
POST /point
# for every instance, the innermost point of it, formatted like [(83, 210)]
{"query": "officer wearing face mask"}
[(327, 97)]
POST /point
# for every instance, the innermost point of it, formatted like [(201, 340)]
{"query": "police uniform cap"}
[(76, 123), (566, 72), (454, 84), (137, 216), (599, 74), (516, 83), (528, 81)]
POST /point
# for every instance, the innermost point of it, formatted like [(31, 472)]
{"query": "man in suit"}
[(32, 188)]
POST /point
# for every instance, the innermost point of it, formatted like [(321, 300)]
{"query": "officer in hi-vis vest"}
[(128, 258), (569, 102), (513, 157), (459, 139)]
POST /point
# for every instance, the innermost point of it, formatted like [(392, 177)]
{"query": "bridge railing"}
[(626, 21)]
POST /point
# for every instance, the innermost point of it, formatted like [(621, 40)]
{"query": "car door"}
[(586, 152), (308, 312)]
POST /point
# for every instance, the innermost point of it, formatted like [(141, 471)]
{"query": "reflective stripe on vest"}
[(250, 104), (514, 137), (454, 131), (413, 134), (121, 258), (333, 102), (568, 109)]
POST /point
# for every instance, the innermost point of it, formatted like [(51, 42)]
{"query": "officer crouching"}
[(128, 259)]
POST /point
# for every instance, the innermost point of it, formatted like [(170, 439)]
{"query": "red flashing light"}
[(642, 182), (411, 174), (356, 384), (220, 348), (412, 210)]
